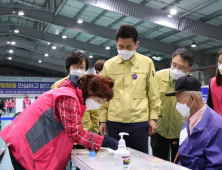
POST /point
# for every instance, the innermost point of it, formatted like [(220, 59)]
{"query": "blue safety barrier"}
[(7, 118)]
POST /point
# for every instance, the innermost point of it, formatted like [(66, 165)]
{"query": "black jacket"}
[(209, 98), (1, 105)]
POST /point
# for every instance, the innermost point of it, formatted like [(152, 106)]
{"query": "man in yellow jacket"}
[(135, 106), (170, 120)]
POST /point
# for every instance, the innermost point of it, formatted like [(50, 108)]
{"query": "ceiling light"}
[(46, 55), (53, 47), (154, 56), (64, 36), (13, 42), (10, 58), (193, 45), (40, 61), (8, 42), (170, 16), (107, 48), (16, 31), (90, 56), (80, 21), (10, 51), (173, 11), (13, 12), (21, 13), (48, 43)]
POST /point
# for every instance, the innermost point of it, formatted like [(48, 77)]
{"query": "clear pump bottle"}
[(122, 155)]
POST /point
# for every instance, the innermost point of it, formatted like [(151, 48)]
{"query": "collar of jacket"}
[(68, 83), (132, 59), (203, 122), (73, 79)]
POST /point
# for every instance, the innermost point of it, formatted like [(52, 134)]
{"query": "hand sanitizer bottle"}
[(122, 155)]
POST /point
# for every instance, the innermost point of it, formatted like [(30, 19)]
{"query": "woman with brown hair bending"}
[(46, 139)]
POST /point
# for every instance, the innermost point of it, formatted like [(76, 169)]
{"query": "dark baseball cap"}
[(186, 83)]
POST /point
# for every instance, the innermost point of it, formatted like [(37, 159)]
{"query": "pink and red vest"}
[(13, 103), (26, 103), (216, 94), (6, 104), (39, 140), (9, 104)]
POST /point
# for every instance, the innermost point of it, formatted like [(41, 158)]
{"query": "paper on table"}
[(91, 104), (102, 151)]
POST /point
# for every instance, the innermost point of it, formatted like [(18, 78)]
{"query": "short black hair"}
[(184, 54), (76, 58), (127, 31)]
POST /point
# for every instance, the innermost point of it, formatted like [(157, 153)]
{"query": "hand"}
[(152, 127), (102, 129), (109, 142)]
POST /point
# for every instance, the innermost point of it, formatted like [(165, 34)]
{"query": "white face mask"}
[(175, 73), (220, 68), (91, 104), (77, 72), (183, 109), (126, 54)]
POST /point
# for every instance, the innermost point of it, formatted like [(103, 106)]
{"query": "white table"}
[(137, 162)]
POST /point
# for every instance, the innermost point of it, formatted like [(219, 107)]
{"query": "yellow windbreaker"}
[(170, 120), (136, 97)]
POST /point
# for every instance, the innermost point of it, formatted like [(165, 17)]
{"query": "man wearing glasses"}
[(170, 120)]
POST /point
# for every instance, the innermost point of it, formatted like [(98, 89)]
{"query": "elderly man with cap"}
[(200, 138)]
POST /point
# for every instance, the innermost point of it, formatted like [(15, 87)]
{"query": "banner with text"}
[(19, 86), (205, 90)]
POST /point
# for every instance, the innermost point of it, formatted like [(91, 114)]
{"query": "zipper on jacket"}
[(34, 164), (187, 141)]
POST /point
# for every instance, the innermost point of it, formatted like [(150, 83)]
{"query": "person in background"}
[(10, 104), (214, 98), (46, 138), (170, 120), (1, 109), (77, 63), (135, 106), (6, 106), (90, 119), (13, 105), (99, 66), (26, 102), (36, 97), (200, 138)]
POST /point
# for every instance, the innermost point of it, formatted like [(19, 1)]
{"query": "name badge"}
[(134, 76)]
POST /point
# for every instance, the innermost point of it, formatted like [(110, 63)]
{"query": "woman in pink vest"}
[(6, 106), (13, 105), (26, 101), (214, 98), (43, 135), (10, 106)]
